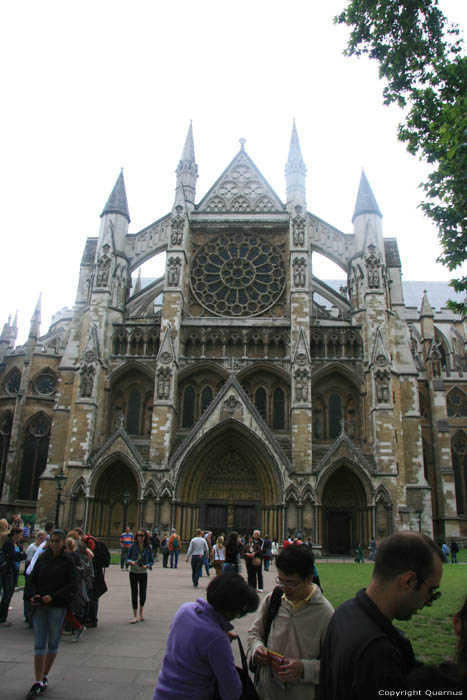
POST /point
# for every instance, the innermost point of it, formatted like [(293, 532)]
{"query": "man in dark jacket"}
[(9, 577), (363, 653)]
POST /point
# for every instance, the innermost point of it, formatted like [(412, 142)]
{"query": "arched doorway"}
[(108, 511), (229, 482), (346, 517)]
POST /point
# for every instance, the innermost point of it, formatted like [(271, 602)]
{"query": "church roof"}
[(117, 202), (438, 292), (366, 202)]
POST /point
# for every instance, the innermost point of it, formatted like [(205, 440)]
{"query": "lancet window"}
[(34, 461)]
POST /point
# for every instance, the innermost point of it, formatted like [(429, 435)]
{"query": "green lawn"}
[(430, 631)]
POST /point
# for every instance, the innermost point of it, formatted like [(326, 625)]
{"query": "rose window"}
[(238, 275)]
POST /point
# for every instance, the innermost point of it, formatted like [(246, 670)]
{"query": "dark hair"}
[(296, 559), (231, 545), (49, 526), (60, 533), (16, 531), (231, 596), (406, 551), (146, 543)]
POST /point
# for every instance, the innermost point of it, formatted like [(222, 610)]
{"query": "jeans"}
[(123, 557), (8, 586), (174, 554), (47, 622), (136, 580), (165, 559), (196, 567), (267, 562)]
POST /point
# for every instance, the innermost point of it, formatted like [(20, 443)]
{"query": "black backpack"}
[(101, 555)]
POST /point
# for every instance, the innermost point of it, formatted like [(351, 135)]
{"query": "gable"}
[(241, 188)]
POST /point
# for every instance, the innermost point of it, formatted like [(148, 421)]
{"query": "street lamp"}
[(60, 480), (126, 502)]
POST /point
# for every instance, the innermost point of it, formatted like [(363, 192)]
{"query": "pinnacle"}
[(117, 202), (366, 202)]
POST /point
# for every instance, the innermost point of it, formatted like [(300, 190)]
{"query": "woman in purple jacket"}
[(198, 649)]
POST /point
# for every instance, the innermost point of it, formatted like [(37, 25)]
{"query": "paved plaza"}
[(115, 660)]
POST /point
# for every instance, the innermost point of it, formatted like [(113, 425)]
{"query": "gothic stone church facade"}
[(239, 390)]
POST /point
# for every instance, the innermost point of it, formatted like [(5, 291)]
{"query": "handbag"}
[(256, 561), (248, 687)]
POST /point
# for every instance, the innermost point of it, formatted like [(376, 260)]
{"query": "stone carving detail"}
[(301, 385), (165, 357), (299, 272), (164, 375), (382, 379), (436, 359), (87, 381), (241, 190), (173, 275), (231, 404), (373, 264), (298, 227), (103, 267), (176, 224)]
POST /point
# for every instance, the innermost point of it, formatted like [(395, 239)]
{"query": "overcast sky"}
[(90, 87)]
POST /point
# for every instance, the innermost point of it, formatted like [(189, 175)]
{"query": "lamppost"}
[(60, 480), (126, 503)]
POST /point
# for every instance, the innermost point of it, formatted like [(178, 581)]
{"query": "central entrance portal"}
[(346, 516), (228, 483)]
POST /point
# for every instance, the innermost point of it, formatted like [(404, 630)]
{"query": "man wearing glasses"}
[(364, 655), (287, 657)]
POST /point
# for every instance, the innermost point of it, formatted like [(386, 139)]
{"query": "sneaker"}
[(36, 690), (7, 623), (45, 681), (260, 590), (77, 635)]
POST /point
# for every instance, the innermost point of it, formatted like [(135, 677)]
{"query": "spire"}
[(187, 170), (295, 171), (426, 309), (36, 320), (366, 202), (117, 202), (14, 331)]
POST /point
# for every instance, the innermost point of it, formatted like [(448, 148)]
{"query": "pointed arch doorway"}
[(108, 511), (346, 514), (229, 482)]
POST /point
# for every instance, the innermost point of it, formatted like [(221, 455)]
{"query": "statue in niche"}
[(177, 222), (298, 227), (163, 383), (373, 263), (103, 269), (299, 266), (351, 426), (87, 381), (173, 274), (382, 389), (301, 386)]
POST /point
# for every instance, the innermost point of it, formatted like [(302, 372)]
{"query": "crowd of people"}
[(298, 646)]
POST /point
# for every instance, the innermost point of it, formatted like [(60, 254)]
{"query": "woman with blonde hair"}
[(218, 555)]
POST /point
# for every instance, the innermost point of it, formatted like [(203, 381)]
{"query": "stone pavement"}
[(115, 660)]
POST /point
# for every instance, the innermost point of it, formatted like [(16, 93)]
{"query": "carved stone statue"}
[(163, 383), (382, 386), (301, 385), (298, 227), (373, 263), (87, 381), (299, 267), (176, 224), (173, 275)]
